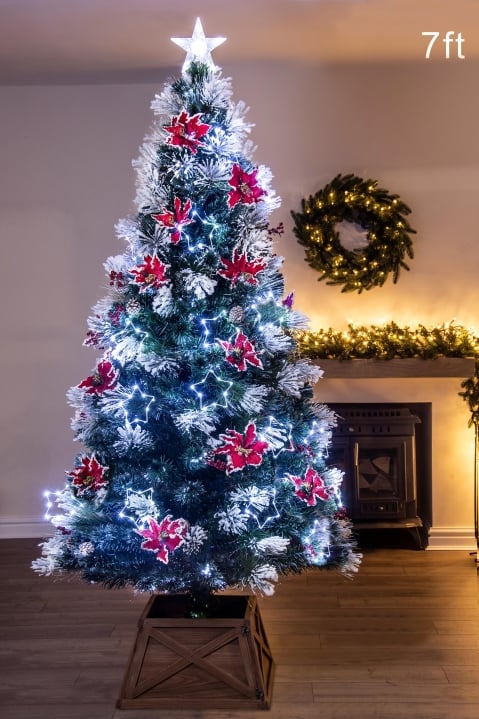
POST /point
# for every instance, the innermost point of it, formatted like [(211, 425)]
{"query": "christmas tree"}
[(205, 456)]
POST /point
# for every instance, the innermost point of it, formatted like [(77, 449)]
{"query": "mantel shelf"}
[(400, 368)]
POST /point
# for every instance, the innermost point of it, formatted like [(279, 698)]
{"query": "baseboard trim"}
[(461, 538), (453, 538), (25, 529)]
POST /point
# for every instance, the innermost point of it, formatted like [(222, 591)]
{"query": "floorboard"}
[(399, 640)]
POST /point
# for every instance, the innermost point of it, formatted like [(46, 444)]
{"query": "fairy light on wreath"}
[(355, 233)]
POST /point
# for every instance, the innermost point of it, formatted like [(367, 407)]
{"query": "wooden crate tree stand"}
[(218, 661)]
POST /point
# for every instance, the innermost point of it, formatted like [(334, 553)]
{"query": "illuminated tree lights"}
[(205, 454)]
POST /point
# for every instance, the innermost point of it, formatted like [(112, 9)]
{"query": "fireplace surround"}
[(387, 465), (413, 382)]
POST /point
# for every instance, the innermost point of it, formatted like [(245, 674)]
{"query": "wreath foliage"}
[(349, 202)]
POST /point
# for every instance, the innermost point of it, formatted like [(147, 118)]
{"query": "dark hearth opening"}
[(385, 452)]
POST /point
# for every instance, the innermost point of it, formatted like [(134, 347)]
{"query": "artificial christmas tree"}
[(205, 460)]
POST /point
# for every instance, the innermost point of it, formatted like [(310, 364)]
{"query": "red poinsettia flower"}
[(240, 352), (239, 268), (245, 187), (309, 487), (89, 476), (151, 274), (164, 537), (241, 449), (176, 220), (105, 377), (187, 131)]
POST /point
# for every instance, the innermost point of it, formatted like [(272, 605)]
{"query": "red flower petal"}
[(310, 487), (104, 378), (240, 352), (245, 187), (239, 268), (175, 220), (187, 131), (151, 274), (89, 476), (164, 537), (241, 450)]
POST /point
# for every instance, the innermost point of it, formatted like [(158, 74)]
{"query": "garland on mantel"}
[(390, 341)]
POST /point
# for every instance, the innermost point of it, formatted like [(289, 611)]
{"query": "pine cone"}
[(236, 314)]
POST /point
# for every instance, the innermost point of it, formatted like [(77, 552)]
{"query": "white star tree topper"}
[(198, 47)]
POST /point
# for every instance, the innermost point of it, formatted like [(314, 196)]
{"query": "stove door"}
[(380, 466)]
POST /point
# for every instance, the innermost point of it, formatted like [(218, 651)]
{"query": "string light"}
[(146, 399), (253, 501), (207, 382), (315, 431), (316, 543), (121, 339), (204, 321), (278, 441), (207, 221), (261, 300), (48, 503), (269, 518), (141, 504), (55, 519)]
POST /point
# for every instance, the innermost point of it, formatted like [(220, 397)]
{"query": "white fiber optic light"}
[(198, 47)]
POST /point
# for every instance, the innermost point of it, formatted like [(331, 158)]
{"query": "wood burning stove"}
[(375, 446)]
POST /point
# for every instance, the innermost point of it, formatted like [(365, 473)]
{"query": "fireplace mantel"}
[(408, 367)]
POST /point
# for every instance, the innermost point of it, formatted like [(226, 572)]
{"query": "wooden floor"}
[(400, 640)]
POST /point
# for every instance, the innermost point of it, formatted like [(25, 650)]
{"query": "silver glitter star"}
[(198, 47)]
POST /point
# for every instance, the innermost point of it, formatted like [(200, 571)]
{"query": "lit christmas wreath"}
[(355, 233)]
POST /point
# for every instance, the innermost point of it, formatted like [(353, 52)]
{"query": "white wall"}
[(66, 178)]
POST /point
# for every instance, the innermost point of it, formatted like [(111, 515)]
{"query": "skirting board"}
[(460, 538), (25, 529), (452, 538)]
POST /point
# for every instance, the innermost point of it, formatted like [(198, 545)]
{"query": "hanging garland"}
[(390, 341), (355, 233)]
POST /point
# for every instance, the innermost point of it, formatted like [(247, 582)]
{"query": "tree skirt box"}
[(220, 660)]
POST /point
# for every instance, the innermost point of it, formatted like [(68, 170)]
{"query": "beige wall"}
[(452, 446), (66, 178)]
